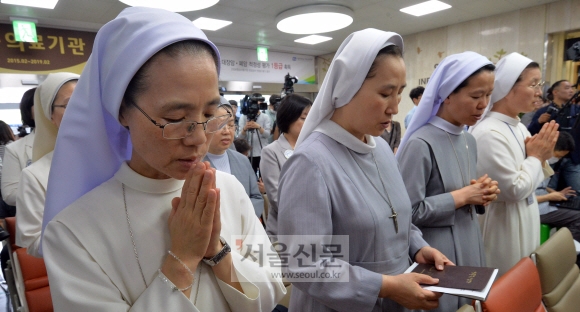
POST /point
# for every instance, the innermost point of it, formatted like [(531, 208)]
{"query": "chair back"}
[(559, 274), (517, 290), (35, 282), (10, 223)]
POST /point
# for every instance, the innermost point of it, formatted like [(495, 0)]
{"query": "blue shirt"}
[(409, 116)]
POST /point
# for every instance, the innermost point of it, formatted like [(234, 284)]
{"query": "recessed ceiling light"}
[(44, 4), (425, 8), (313, 39), (314, 19), (173, 5), (210, 23)]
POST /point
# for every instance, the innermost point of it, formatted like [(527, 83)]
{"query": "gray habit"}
[(241, 168), (430, 171), (323, 191), (271, 163)]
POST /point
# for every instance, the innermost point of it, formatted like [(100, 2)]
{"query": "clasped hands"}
[(480, 192), (252, 125), (194, 221)]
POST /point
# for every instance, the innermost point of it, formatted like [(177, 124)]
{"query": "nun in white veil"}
[(123, 230), (507, 152), (50, 103), (341, 181), (438, 161)]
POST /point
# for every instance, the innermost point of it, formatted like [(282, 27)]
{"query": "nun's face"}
[(178, 88), (525, 95), (371, 109), (467, 105), (61, 101)]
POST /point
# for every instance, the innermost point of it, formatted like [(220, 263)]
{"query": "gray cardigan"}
[(242, 169)]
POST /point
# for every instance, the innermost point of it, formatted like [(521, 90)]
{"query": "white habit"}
[(511, 224), (17, 156), (92, 265), (31, 196)]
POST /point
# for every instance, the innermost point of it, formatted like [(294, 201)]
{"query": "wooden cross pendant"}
[(394, 217)]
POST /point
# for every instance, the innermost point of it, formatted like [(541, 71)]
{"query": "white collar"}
[(446, 125), (134, 180), (340, 135), (505, 118)]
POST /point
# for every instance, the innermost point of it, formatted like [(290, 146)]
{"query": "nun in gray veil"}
[(341, 181)]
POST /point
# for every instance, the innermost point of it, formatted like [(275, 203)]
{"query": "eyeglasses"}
[(229, 127), (538, 85), (181, 129)]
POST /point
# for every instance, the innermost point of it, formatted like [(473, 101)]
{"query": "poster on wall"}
[(56, 50), (243, 65)]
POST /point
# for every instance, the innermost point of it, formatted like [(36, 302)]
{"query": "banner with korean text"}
[(56, 50), (243, 65)]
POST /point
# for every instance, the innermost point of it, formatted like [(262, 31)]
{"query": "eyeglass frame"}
[(234, 127), (538, 85), (193, 123)]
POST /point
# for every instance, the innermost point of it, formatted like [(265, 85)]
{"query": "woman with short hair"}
[(290, 117)]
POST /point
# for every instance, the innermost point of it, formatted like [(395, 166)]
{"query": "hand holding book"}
[(463, 281)]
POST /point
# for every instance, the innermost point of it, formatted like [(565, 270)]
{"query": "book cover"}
[(461, 277), (478, 294)]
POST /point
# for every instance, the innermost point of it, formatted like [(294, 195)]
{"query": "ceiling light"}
[(210, 23), (314, 19), (44, 4), (172, 5), (313, 39), (425, 8)]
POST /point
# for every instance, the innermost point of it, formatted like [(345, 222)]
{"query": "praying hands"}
[(480, 192)]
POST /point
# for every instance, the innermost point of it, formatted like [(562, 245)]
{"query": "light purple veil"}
[(91, 143), (451, 72)]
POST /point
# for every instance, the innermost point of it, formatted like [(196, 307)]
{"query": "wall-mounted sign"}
[(55, 50), (24, 31), (243, 65), (262, 54)]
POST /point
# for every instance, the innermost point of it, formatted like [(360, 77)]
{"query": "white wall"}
[(522, 31)]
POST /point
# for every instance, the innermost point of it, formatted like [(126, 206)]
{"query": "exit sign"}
[(262, 54), (24, 31)]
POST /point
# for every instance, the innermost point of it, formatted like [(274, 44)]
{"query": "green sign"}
[(262, 54), (24, 31)]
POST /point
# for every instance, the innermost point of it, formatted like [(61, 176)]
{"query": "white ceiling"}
[(254, 20)]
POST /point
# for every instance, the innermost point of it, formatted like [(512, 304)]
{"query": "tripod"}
[(250, 136)]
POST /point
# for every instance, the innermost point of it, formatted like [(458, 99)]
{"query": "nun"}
[(507, 152), (134, 220), (342, 181), (50, 103), (438, 162)]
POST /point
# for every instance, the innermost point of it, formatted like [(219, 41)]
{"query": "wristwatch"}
[(220, 255)]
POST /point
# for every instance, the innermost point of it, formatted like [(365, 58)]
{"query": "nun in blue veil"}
[(134, 220), (438, 160)]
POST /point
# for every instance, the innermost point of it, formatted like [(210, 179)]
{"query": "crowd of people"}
[(143, 192)]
